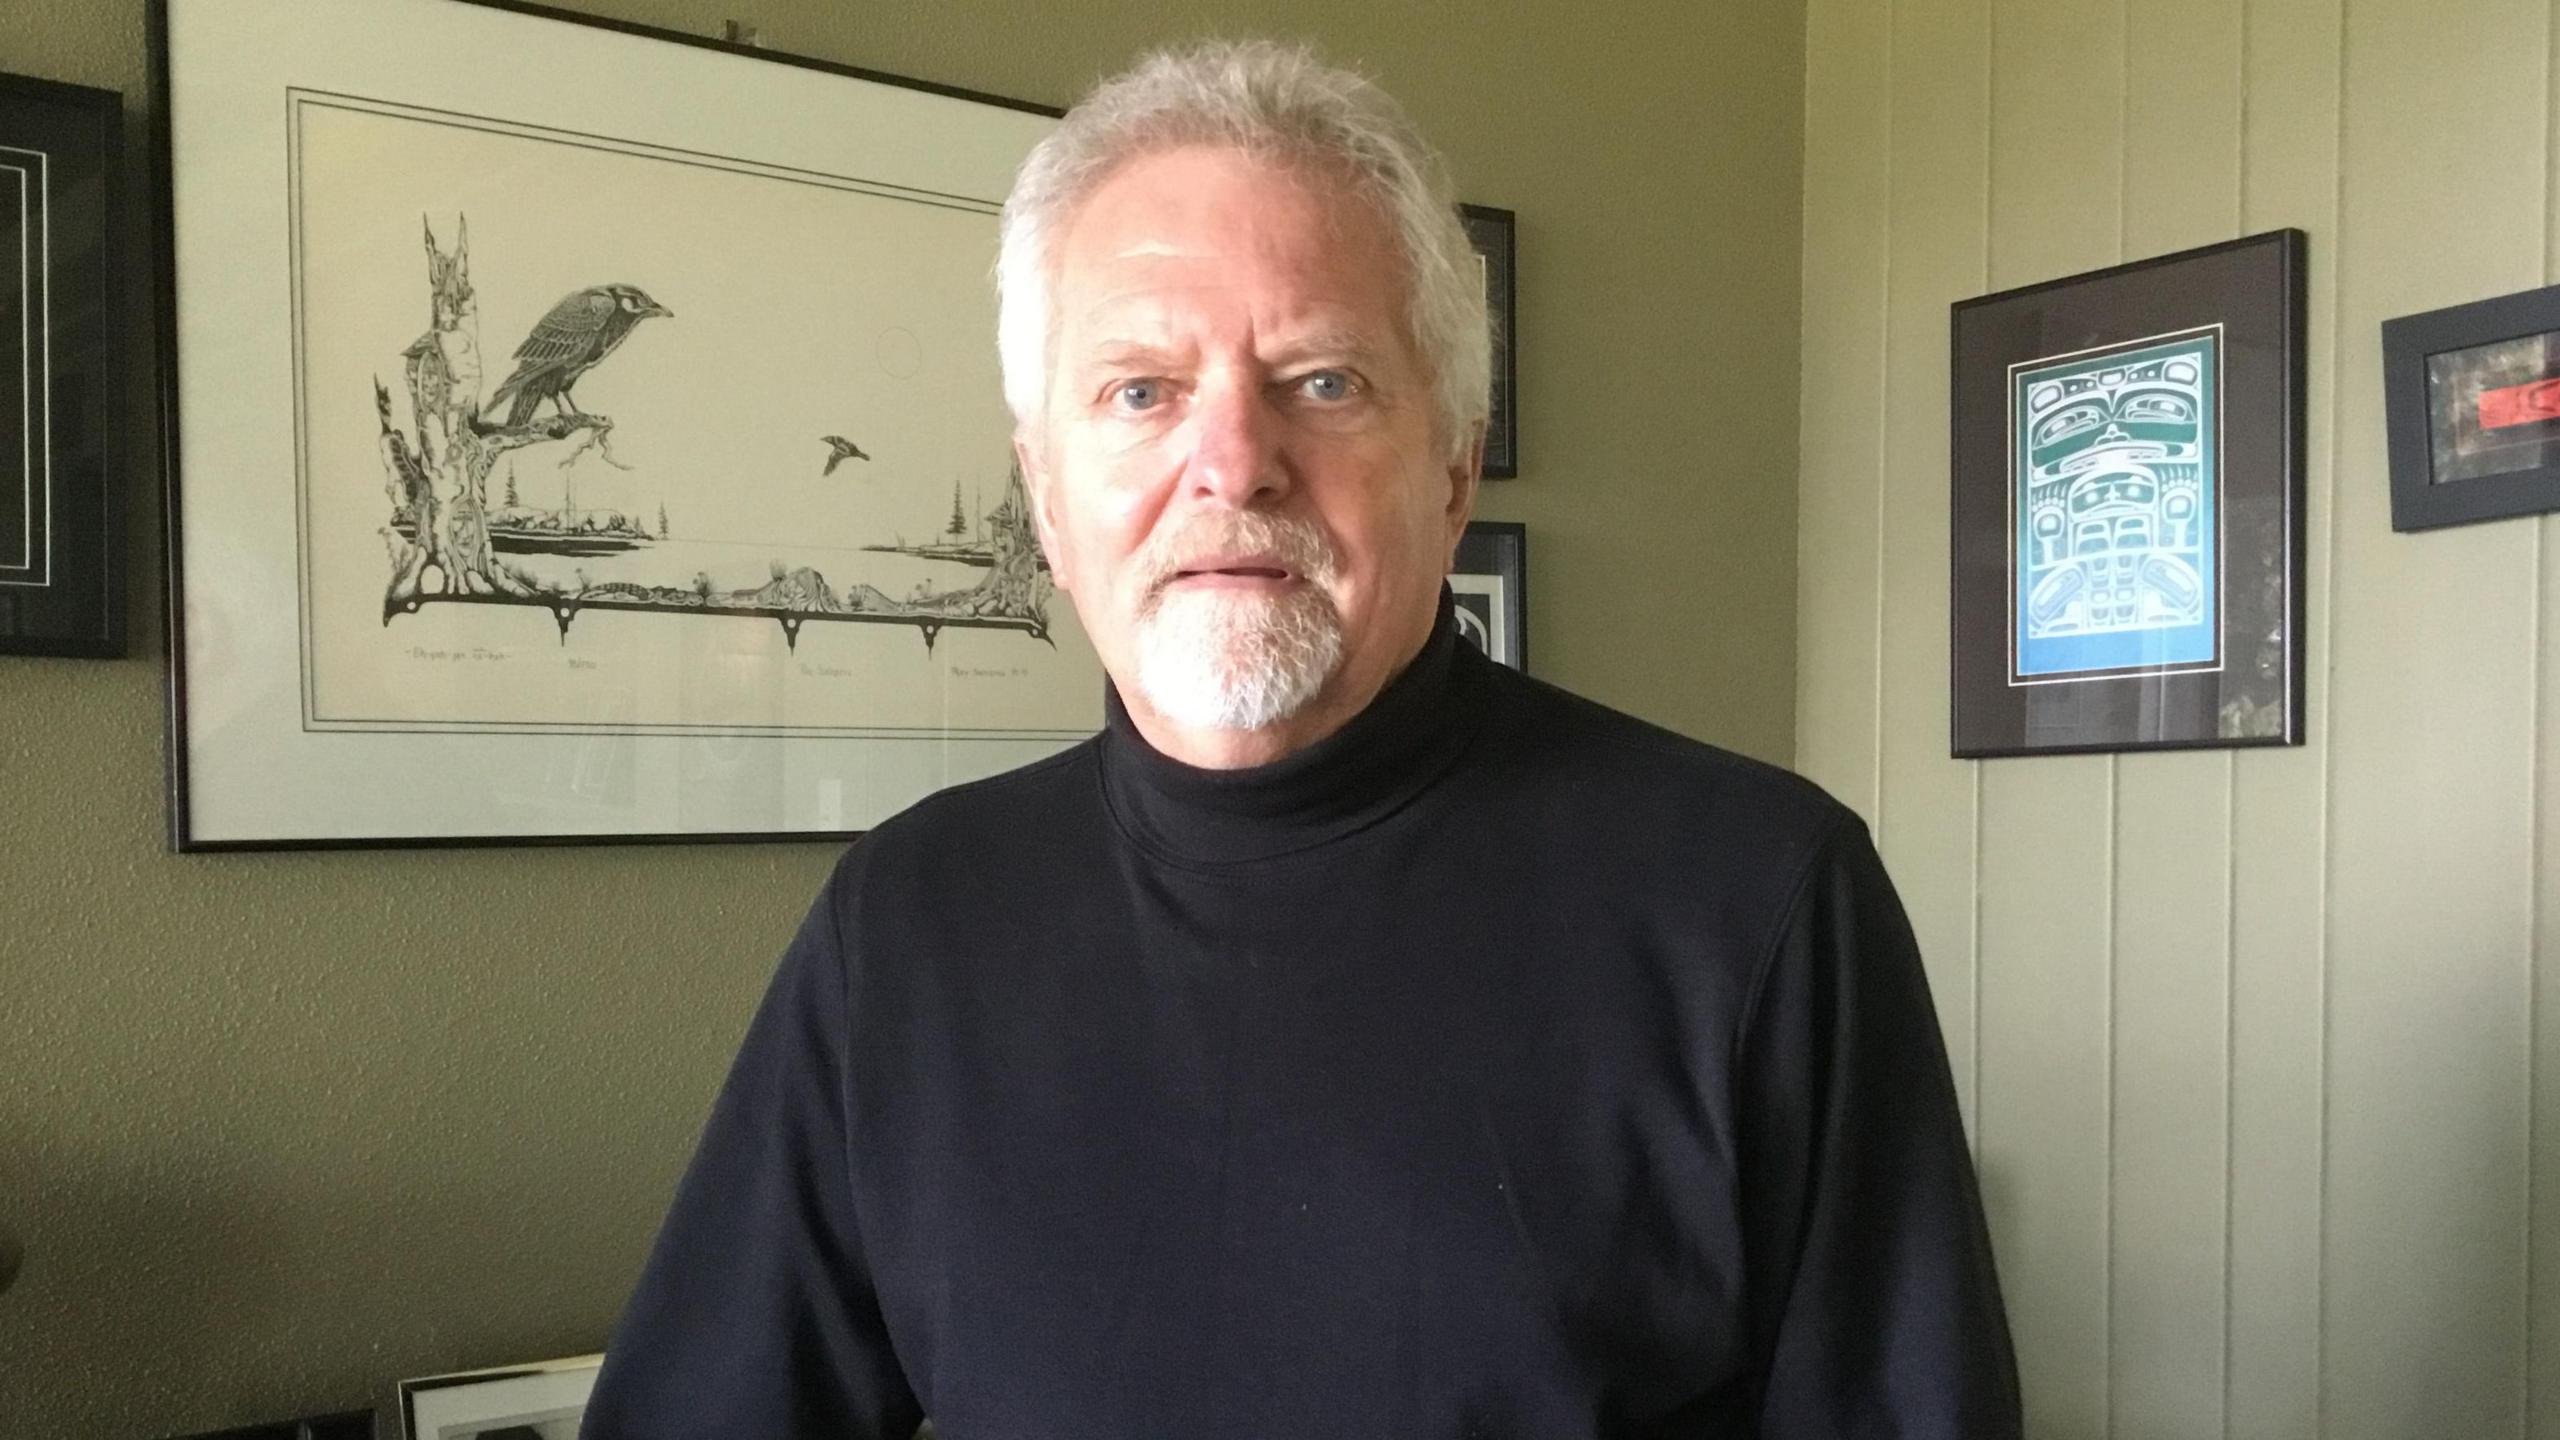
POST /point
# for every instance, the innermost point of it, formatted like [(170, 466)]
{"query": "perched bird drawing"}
[(842, 450), (565, 344)]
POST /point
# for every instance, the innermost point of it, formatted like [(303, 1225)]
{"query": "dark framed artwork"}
[(61, 541), (1490, 583), (2472, 396), (1495, 236), (2127, 522), (766, 573)]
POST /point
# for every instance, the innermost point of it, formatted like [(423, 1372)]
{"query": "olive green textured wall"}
[(275, 1129)]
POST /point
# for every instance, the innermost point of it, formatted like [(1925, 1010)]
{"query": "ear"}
[(1043, 496), (1466, 469)]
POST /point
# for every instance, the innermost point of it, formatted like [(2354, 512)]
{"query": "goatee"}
[(1225, 659)]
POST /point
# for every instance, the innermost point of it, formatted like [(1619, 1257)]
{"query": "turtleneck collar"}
[(1352, 779)]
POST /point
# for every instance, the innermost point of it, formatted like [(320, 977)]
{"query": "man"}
[(1356, 1038)]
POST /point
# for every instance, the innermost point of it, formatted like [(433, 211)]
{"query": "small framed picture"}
[(515, 1402), (2128, 543), (1493, 233), (61, 556), (2472, 395), (1491, 585)]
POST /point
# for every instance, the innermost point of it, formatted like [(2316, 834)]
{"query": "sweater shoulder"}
[(1612, 757), (980, 826)]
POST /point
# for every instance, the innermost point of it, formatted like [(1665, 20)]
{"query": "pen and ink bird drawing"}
[(462, 528), (839, 451), (578, 333)]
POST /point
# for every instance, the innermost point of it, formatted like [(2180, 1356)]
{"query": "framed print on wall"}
[(1495, 234), (2472, 395), (543, 1401), (2128, 493), (1490, 584), (61, 543), (584, 432)]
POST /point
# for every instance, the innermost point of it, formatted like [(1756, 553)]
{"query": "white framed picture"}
[(515, 1402), (584, 432)]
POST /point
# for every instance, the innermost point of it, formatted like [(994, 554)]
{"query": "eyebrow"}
[(1117, 355), (1111, 356), (1352, 346)]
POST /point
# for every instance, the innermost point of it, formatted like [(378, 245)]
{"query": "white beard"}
[(1220, 660)]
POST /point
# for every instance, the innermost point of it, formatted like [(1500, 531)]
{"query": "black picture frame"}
[(2127, 506), (61, 495), (2471, 398), (255, 760), (1495, 234), (1490, 583)]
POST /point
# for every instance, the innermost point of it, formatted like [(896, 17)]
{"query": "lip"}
[(1234, 570)]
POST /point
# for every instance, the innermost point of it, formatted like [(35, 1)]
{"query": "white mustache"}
[(1294, 543)]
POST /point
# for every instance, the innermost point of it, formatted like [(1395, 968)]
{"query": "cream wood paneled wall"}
[(2254, 1046)]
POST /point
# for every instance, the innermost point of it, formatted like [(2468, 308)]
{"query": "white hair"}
[(1277, 103)]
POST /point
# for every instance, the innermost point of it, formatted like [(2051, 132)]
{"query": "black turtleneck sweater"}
[(1499, 1067)]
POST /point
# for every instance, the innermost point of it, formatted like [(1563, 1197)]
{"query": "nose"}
[(1236, 445)]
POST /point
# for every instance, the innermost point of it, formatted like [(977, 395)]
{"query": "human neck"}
[(1212, 748), (1345, 695)]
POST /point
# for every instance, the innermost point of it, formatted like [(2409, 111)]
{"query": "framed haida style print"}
[(61, 546), (584, 432), (2127, 525)]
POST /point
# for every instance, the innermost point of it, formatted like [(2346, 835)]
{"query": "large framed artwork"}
[(61, 545), (2472, 395), (1494, 233), (584, 433), (2127, 524)]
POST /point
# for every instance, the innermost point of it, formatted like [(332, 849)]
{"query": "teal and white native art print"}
[(2115, 481)]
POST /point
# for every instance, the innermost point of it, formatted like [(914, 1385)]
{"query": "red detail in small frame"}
[(2520, 405)]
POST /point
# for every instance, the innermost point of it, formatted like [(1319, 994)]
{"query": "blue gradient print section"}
[(2115, 483)]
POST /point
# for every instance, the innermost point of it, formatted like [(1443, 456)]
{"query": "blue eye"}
[(1137, 395), (1326, 385)]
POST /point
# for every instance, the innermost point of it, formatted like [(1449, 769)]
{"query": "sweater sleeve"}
[(1872, 1292), (755, 1314)]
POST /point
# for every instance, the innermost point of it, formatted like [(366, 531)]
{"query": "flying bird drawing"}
[(568, 342), (841, 450)]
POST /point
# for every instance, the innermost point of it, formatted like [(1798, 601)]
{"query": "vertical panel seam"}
[(1990, 147), (2115, 809), (2107, 1227), (2329, 742), (2231, 808), (2240, 126), (2230, 1026), (2533, 811)]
